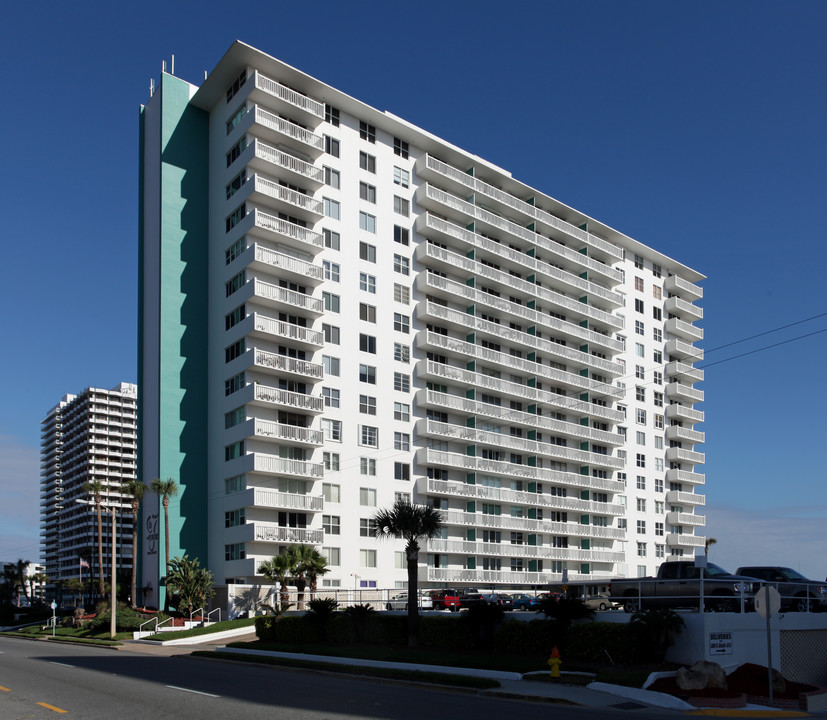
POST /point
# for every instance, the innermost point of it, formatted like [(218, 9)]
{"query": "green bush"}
[(384, 629), (126, 620)]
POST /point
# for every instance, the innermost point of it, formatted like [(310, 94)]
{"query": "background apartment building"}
[(339, 309), (87, 437)]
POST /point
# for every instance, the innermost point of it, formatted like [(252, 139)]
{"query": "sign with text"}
[(720, 643)]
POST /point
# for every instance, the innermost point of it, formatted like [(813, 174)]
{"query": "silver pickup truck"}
[(798, 594), (678, 585)]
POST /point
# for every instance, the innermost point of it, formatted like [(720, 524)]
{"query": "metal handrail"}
[(209, 614), (200, 610), (152, 619)]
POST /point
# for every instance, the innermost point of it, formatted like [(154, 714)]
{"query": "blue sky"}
[(694, 127)]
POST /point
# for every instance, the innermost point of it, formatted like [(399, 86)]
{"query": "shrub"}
[(126, 620), (359, 616)]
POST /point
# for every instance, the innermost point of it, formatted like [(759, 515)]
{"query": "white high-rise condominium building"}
[(86, 438), (339, 309)]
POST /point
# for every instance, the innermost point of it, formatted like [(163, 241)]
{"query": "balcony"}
[(464, 322), (268, 328), (431, 225), (467, 491), (280, 432), (284, 398), (272, 499), (461, 433), (284, 199), (684, 477), (429, 167), (496, 577), (683, 288), (682, 518), (275, 229), (292, 99), (507, 550), (266, 532), (685, 330), (681, 540), (432, 197), (678, 349), (688, 311), (679, 391), (506, 522), (684, 371), (269, 361), (273, 161), (285, 299), (675, 454), (683, 413), (678, 497), (675, 432), (259, 257), (275, 465), (279, 130), (431, 341)]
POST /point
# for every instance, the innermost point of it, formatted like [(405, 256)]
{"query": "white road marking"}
[(63, 664), (196, 692)]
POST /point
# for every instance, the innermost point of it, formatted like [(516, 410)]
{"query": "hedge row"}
[(587, 641)]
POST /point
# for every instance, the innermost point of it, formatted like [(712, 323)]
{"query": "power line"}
[(761, 349), (767, 332)]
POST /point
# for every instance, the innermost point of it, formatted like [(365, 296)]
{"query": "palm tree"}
[(308, 563), (707, 543), (95, 488), (135, 490), (411, 523), (189, 583), (277, 570), (165, 489)]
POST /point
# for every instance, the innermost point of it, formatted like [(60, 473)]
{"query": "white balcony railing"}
[(679, 390), (286, 229), (675, 454), (681, 412), (298, 200), (676, 306), (684, 477), (288, 162), (291, 501), (682, 518), (683, 329), (300, 401), (275, 533), (288, 331), (289, 129), (285, 363), (678, 286), (288, 263), (285, 296), (287, 466), (684, 370), (683, 540), (684, 498), (290, 433), (289, 95), (506, 522), (504, 549)]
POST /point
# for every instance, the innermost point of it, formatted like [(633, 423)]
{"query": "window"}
[(367, 497), (331, 115), (233, 451), (657, 335), (331, 208), (401, 382), (641, 482), (641, 551), (657, 313), (236, 183), (658, 377), (235, 484), (367, 374), (333, 558), (331, 239), (367, 251), (331, 302), (331, 462), (367, 223), (367, 404), (401, 352), (659, 529), (401, 471), (657, 356), (401, 265), (639, 372), (367, 192), (641, 527), (401, 294), (234, 417), (234, 384), (401, 323), (400, 147), (330, 365), (659, 422), (367, 466), (235, 250), (639, 306), (401, 177), (235, 217), (367, 283), (234, 552), (401, 206), (331, 270), (367, 343), (639, 284), (331, 397), (640, 460), (367, 132), (640, 437), (659, 485), (640, 394), (236, 150), (331, 524), (331, 146), (401, 411), (401, 235), (331, 334), (639, 349), (332, 429), (367, 312), (659, 441), (639, 262), (237, 117), (658, 399), (657, 293), (233, 351), (639, 329), (367, 162), (332, 178), (657, 270), (367, 558), (401, 441), (659, 550), (641, 504), (659, 507)]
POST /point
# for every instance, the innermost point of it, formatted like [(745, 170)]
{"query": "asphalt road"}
[(46, 680)]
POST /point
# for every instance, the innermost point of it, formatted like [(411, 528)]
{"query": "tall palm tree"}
[(411, 523), (277, 570), (707, 543), (314, 569), (135, 490), (308, 564), (95, 488), (165, 489)]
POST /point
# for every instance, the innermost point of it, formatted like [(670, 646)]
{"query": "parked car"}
[(400, 602), (490, 598), (469, 597), (798, 594), (521, 601), (445, 599), (506, 601), (600, 602)]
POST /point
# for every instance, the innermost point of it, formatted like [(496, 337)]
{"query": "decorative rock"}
[(701, 675)]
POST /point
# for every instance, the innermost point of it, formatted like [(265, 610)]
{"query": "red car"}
[(446, 599)]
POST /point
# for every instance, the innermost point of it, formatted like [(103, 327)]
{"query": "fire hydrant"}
[(554, 662)]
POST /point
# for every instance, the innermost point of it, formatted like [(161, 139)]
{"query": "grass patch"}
[(194, 632), (434, 678), (71, 637)]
